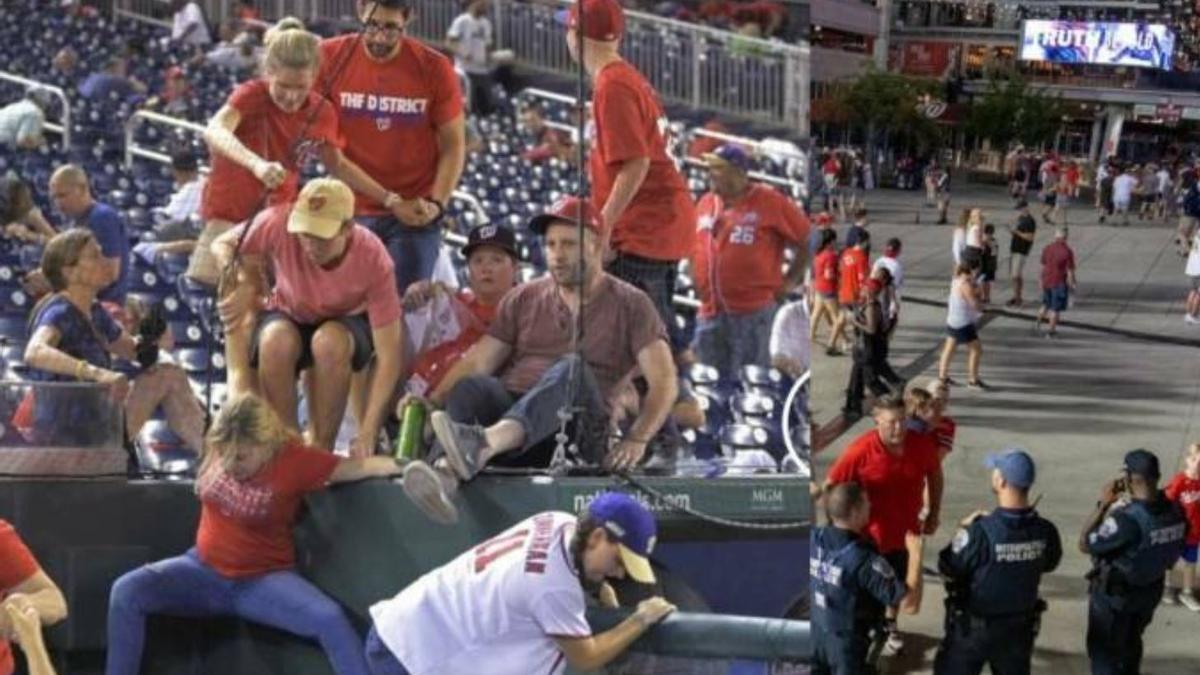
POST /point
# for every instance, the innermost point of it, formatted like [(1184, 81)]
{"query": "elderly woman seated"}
[(75, 340)]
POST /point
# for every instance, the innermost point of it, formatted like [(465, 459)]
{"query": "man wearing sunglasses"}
[(400, 108)]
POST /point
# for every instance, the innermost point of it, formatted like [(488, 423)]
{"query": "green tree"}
[(887, 103), (1013, 110)]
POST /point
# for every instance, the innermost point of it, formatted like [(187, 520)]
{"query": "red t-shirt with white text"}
[(17, 564), (246, 526), (738, 259), (659, 222), (1186, 491), (389, 112), (894, 484), (231, 191)]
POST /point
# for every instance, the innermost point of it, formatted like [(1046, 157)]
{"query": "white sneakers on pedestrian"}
[(1187, 599), (1190, 320)]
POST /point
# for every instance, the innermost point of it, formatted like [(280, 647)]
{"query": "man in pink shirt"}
[(333, 307)]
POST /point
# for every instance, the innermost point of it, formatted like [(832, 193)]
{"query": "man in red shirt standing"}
[(637, 190), (854, 268), (894, 467), (1058, 280), (25, 588), (400, 111), (743, 230)]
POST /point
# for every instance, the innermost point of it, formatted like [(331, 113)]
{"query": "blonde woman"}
[(962, 316), (260, 140), (251, 483), (75, 340)]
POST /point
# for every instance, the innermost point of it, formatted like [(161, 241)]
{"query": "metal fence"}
[(63, 128), (707, 68)]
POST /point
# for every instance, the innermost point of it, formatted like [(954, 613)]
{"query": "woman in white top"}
[(958, 244), (1193, 273), (973, 240), (962, 314)]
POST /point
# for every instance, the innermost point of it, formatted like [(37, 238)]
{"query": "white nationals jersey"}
[(494, 609)]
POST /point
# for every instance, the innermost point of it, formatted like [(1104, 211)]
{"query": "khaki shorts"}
[(1016, 264)]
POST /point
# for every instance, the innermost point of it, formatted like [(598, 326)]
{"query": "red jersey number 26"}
[(487, 552)]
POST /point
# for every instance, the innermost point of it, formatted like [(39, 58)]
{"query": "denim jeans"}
[(380, 659), (656, 278), (185, 586), (730, 341), (482, 399), (414, 250)]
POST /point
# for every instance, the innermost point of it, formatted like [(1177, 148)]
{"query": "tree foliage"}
[(1013, 110), (888, 103)]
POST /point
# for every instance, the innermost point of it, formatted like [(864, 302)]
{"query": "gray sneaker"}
[(461, 442), (424, 486)]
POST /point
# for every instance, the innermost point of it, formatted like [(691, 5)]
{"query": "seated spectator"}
[(238, 49), (72, 196), (31, 600), (21, 219), (251, 484), (492, 260), (173, 99), (172, 221), (332, 307), (66, 62), (21, 123), (78, 9), (113, 79), (790, 346), (246, 11), (503, 398), (188, 25), (75, 339), (542, 141)]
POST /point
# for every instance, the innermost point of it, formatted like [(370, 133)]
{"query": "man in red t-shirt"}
[(743, 230), (400, 109), (1058, 280), (492, 260), (24, 588), (641, 198), (854, 266), (894, 468), (332, 308)]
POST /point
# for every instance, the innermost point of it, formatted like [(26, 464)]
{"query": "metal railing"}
[(707, 68), (63, 129)]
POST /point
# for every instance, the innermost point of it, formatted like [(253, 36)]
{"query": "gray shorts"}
[(1016, 264)]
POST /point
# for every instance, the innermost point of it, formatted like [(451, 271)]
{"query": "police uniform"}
[(1132, 551), (993, 568), (851, 586)]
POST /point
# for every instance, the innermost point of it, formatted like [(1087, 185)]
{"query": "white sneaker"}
[(1190, 320), (1170, 596), (894, 643), (1188, 600)]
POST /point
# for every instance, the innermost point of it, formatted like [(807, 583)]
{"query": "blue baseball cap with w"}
[(633, 527)]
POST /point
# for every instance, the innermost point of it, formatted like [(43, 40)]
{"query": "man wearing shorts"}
[(1058, 280), (1018, 251), (855, 267), (515, 604), (332, 308), (1123, 189)]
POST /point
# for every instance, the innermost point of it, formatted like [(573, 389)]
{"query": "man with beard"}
[(400, 110), (502, 400)]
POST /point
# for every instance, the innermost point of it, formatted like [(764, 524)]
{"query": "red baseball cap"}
[(566, 210), (603, 20)]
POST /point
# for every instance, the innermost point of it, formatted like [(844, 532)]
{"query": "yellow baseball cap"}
[(322, 207)]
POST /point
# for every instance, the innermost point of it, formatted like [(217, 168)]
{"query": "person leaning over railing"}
[(75, 339), (251, 483)]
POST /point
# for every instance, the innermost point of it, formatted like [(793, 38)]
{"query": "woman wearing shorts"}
[(1193, 274), (825, 285), (973, 252), (962, 315)]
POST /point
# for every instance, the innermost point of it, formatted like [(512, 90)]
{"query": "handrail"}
[(131, 125), (63, 129)]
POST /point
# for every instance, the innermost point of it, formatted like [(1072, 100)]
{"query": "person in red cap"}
[(743, 230), (642, 200), (502, 400)]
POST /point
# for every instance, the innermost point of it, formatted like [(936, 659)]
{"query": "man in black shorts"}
[(331, 307), (1018, 250)]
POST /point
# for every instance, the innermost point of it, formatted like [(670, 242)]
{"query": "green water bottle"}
[(410, 443)]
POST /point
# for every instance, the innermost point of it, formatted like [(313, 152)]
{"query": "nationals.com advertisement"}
[(1142, 45)]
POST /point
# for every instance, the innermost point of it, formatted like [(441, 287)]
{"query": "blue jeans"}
[(380, 659), (185, 586), (728, 342), (414, 250)]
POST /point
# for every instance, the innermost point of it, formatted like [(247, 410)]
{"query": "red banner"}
[(926, 59)]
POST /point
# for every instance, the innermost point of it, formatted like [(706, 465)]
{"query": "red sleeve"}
[(845, 469), (247, 97), (448, 100), (16, 562), (1172, 489), (618, 113), (306, 469), (504, 326), (325, 128), (383, 300), (795, 226), (266, 231), (864, 268)]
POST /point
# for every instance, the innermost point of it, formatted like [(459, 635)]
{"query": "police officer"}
[(852, 584), (992, 569), (1133, 545)]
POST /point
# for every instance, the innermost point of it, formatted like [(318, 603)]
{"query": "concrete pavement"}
[(1077, 403)]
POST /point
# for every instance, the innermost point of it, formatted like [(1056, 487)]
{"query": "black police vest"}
[(839, 607), (1162, 541), (1017, 548)]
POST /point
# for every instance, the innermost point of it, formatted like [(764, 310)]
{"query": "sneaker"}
[(1170, 596), (977, 385), (1187, 599), (462, 443), (833, 351), (424, 486), (894, 644), (1190, 320)]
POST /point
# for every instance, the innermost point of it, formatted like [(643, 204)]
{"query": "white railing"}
[(63, 129)]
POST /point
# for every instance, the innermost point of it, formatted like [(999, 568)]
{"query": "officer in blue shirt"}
[(993, 567), (852, 584), (1133, 544), (72, 196)]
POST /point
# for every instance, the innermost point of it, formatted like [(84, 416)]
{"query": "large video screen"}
[(1142, 45)]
